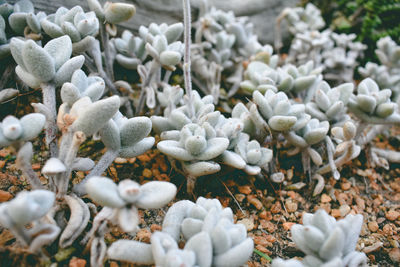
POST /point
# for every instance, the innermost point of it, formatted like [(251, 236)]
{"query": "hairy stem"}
[(154, 67), (104, 162), (63, 179), (186, 59), (107, 54), (49, 100), (24, 158)]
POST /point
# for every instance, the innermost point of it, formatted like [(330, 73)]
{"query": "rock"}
[(394, 254), (5, 196), (392, 215), (288, 225), (245, 189), (76, 262), (373, 226), (147, 173), (344, 210), (255, 202), (248, 223), (325, 198)]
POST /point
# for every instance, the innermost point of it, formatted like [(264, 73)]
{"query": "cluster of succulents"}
[(336, 53), (301, 101), (212, 238), (387, 74), (326, 242)]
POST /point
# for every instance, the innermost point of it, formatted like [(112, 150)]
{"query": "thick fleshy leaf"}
[(137, 149), (32, 124), (236, 256), (52, 29), (233, 159), (17, 22), (282, 123), (172, 148), (60, 49), (104, 192), (96, 115), (334, 245), (173, 32), (190, 227), (128, 219), (202, 168), (215, 147), (69, 93), (201, 245), (38, 61), (118, 12), (134, 130), (110, 136), (65, 72), (170, 58), (155, 194), (131, 251), (12, 128)]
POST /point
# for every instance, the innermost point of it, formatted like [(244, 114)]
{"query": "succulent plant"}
[(197, 145), (309, 45), (74, 22), (112, 12), (130, 50), (261, 77), (13, 130), (386, 75), (162, 44), (327, 242), (330, 103), (304, 19), (252, 157), (388, 52), (340, 57), (179, 117), (23, 16), (373, 105), (276, 111), (126, 197), (81, 86), (30, 207), (50, 63), (207, 220)]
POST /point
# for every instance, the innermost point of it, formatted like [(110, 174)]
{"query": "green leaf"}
[(265, 256)]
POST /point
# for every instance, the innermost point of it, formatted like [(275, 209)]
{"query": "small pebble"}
[(2, 163), (291, 206), (392, 215), (147, 173), (325, 198), (245, 189), (120, 160), (345, 186), (248, 223), (394, 254), (344, 210), (255, 202), (5, 196), (76, 262), (373, 247), (373, 226), (335, 213)]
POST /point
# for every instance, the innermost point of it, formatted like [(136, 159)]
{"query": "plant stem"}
[(107, 55), (104, 162), (63, 179), (49, 100), (154, 66), (186, 59), (24, 158)]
